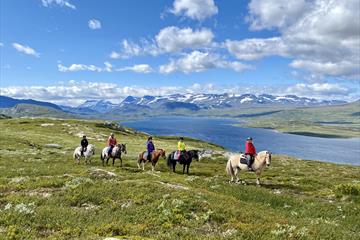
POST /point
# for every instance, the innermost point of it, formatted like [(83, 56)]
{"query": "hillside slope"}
[(44, 195), (329, 121)]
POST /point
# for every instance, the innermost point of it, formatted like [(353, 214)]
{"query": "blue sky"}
[(60, 50)]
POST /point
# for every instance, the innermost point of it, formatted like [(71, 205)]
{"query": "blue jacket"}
[(150, 146)]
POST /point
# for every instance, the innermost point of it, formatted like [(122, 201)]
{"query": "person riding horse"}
[(181, 149), (111, 143), (150, 148), (250, 151), (84, 143)]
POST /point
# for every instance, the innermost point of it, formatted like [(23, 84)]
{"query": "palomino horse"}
[(115, 153), (234, 165), (90, 150), (185, 160), (155, 155)]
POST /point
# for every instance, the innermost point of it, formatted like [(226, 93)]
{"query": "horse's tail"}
[(229, 169), (169, 160)]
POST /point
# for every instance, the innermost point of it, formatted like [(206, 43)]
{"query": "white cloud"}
[(139, 68), (25, 49), (174, 39), (329, 90), (79, 67), (169, 40), (1, 44), (61, 3), (321, 36), (341, 68), (256, 48), (195, 9), (197, 61), (94, 24), (275, 13)]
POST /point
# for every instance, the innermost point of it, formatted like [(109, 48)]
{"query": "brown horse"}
[(155, 155)]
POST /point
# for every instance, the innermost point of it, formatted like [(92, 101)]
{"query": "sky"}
[(70, 51)]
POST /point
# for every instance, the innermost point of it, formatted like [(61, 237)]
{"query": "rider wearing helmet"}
[(84, 143), (150, 148), (111, 143), (250, 151)]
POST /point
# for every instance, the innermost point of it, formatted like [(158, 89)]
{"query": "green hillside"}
[(45, 195), (330, 121)]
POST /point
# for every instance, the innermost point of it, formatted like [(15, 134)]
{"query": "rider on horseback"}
[(181, 148), (250, 151), (111, 143), (84, 143), (150, 148)]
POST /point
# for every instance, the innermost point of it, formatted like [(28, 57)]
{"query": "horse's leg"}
[(236, 172), (187, 169), (138, 163), (143, 165), (113, 162), (258, 173), (174, 164), (152, 166), (107, 161), (120, 162)]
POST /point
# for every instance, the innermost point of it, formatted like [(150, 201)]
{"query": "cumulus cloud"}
[(169, 40), (322, 36), (25, 49), (173, 39), (94, 24), (197, 61), (79, 67), (194, 9), (61, 3)]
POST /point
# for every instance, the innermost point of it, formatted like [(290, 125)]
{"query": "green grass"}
[(45, 195), (341, 121)]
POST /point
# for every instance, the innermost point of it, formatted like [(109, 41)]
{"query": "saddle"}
[(244, 159)]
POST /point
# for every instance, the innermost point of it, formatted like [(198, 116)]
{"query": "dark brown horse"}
[(155, 155), (184, 160)]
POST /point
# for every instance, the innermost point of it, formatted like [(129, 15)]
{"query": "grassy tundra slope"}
[(341, 121), (44, 195)]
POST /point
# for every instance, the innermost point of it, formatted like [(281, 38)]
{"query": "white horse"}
[(90, 150), (234, 165), (115, 153)]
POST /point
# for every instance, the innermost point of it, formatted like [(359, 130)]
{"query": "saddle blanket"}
[(244, 159), (145, 155), (177, 155)]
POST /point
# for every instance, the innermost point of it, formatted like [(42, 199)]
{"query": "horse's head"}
[(195, 154), (123, 148), (268, 158), (162, 153)]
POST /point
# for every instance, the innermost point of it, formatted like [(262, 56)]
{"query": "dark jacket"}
[(150, 146), (84, 143)]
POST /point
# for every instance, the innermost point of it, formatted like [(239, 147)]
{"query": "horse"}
[(234, 165), (185, 160), (90, 150), (115, 153), (155, 155)]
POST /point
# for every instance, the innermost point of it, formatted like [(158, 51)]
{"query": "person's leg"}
[(250, 163), (110, 150), (149, 156), (82, 151)]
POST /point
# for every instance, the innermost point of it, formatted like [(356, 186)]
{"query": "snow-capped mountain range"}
[(196, 102)]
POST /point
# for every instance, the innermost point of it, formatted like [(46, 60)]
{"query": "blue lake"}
[(223, 132)]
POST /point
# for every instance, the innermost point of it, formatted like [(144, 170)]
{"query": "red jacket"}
[(111, 141), (249, 148)]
